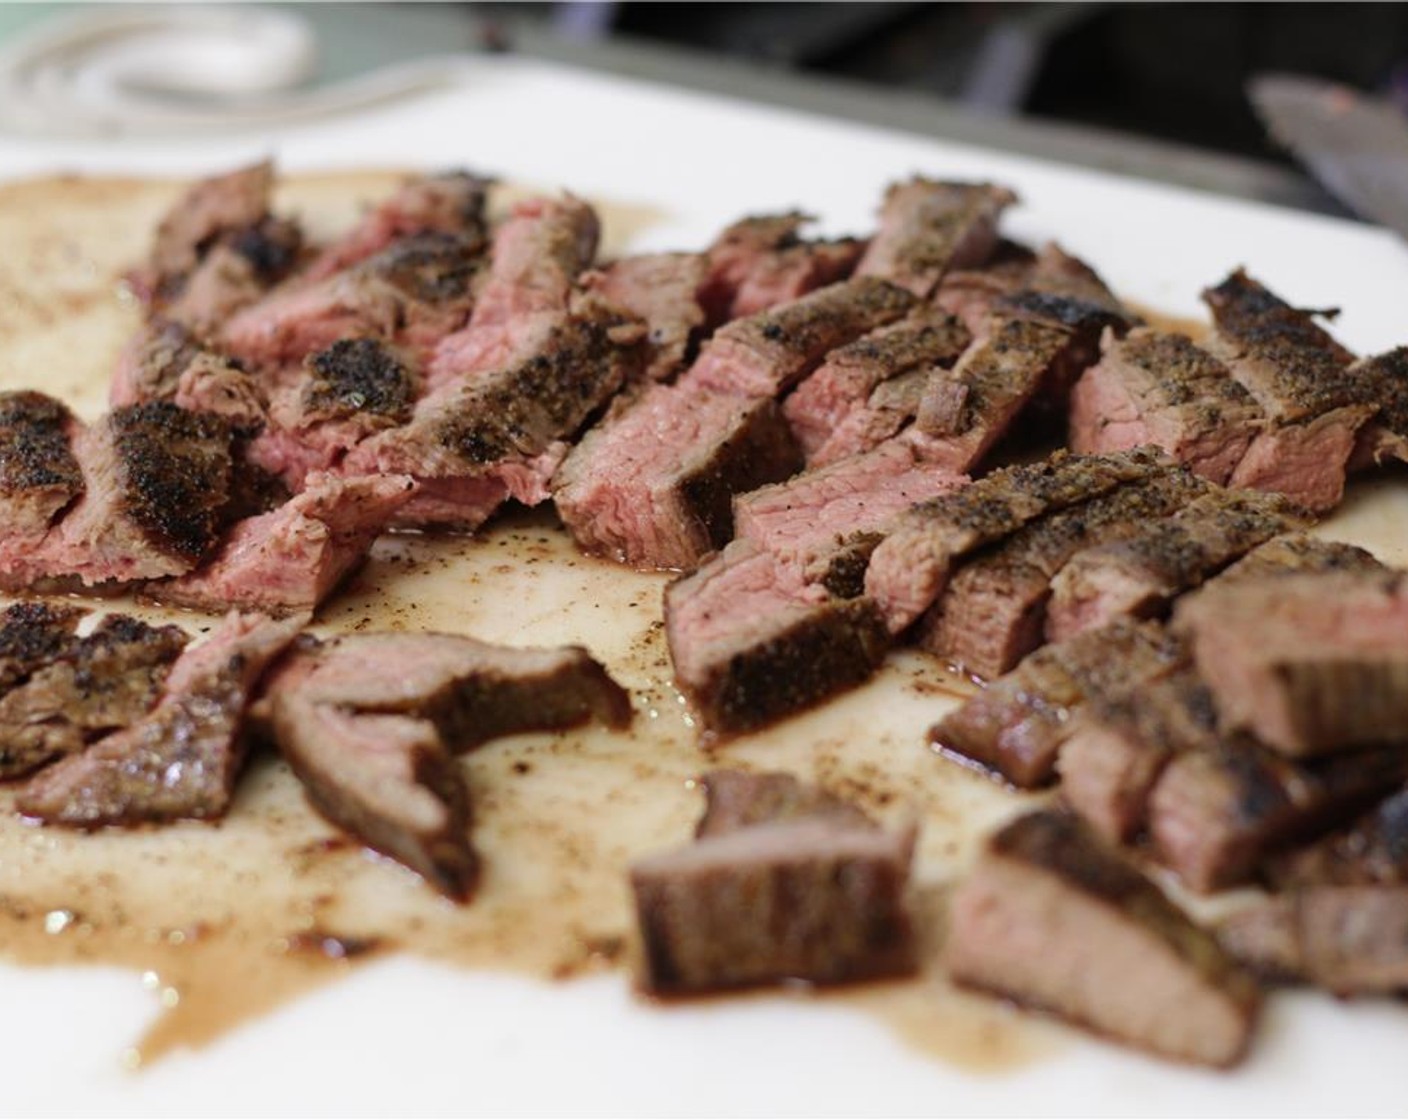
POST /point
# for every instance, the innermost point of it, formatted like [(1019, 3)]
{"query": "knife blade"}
[(1356, 145)]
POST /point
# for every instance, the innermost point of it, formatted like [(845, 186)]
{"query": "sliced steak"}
[(449, 202), (33, 635), (1214, 815), (1120, 741), (1383, 380), (1297, 553), (412, 294), (816, 898), (1351, 940), (1141, 575), (839, 410), (535, 260), (1311, 664), (1052, 919), (993, 611), (39, 475), (1156, 387), (928, 228), (909, 570), (156, 483), (653, 485), (289, 560), (970, 294), (98, 684), (1299, 377), (662, 291), (179, 761), (375, 750), (750, 646), (765, 354), (165, 362), (760, 262), (1017, 725), (1374, 849), (736, 799), (826, 522), (235, 272)]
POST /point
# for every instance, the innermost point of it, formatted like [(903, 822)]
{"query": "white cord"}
[(183, 69)]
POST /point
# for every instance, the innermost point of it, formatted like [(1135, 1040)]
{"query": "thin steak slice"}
[(1215, 815), (39, 475), (33, 635), (765, 354), (662, 291), (166, 362), (449, 202), (375, 751), (735, 799), (928, 228), (1017, 725), (1297, 553), (412, 294), (1120, 741), (156, 483), (818, 897), (98, 684), (1374, 849), (909, 569), (1052, 919), (762, 261), (1156, 387), (1299, 377), (289, 560), (236, 271), (993, 611), (826, 522), (1383, 379), (1311, 664), (751, 646), (1351, 940), (182, 759), (653, 484), (839, 410), (535, 260), (1140, 576)]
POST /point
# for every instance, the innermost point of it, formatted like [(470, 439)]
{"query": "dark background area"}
[(1166, 71)]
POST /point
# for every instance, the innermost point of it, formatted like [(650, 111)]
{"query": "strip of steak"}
[(449, 202), (288, 561), (1120, 741), (1299, 376), (181, 760), (535, 260), (156, 483), (412, 294), (1141, 575), (1214, 815), (1383, 380), (736, 799), (1351, 940), (1297, 553), (928, 228), (165, 362), (1055, 921), (970, 294), (1311, 664), (751, 646), (662, 291), (760, 262), (33, 635), (653, 485), (1156, 387), (815, 899), (375, 751), (909, 570), (825, 523), (98, 684), (765, 354), (993, 611), (39, 475), (1374, 849), (236, 271), (1017, 725), (836, 412)]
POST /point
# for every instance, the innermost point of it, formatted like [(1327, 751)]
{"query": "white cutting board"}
[(406, 1037)]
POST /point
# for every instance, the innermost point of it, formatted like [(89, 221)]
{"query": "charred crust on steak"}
[(429, 267), (34, 444), (358, 375)]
